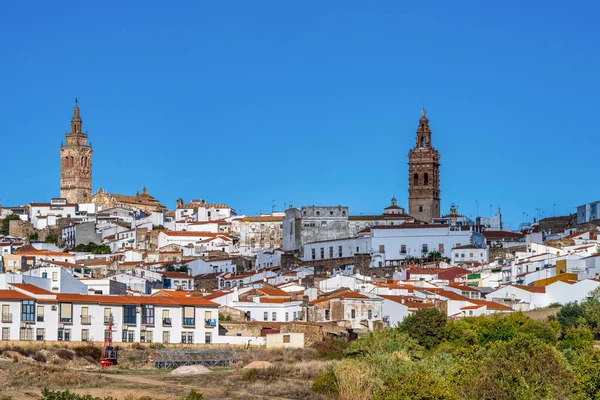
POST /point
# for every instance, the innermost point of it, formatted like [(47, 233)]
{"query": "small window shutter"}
[(66, 310), (84, 311), (188, 312), (106, 314), (40, 312), (165, 313)]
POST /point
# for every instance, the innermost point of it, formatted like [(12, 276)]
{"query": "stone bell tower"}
[(76, 163), (424, 175)]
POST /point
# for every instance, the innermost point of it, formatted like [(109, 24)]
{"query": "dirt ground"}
[(23, 379)]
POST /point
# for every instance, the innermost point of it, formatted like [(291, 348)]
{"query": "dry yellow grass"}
[(355, 380)]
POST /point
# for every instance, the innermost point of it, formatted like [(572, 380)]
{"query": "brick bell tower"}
[(424, 175), (76, 163)]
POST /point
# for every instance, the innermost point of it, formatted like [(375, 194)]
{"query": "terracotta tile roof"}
[(411, 225), (176, 275), (491, 305), (280, 301), (272, 292), (471, 307), (13, 295), (188, 233), (215, 295), (136, 300), (501, 235), (30, 288), (343, 295), (453, 295), (532, 289)]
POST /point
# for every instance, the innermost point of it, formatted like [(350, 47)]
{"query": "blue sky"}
[(311, 102)]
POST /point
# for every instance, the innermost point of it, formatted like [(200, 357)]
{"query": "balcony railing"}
[(210, 322), (108, 319), (66, 320), (189, 322), (166, 322), (86, 320), (6, 317)]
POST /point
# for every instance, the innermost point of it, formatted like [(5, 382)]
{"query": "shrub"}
[(326, 384), (194, 395), (570, 316), (331, 349), (88, 351), (383, 341), (250, 375), (39, 357), (577, 339), (426, 326), (65, 354)]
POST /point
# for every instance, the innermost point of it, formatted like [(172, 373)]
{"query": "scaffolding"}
[(180, 356)]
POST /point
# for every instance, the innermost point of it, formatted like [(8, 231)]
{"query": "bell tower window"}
[(422, 141), (426, 179), (416, 180)]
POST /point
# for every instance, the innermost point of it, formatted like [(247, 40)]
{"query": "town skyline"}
[(290, 106)]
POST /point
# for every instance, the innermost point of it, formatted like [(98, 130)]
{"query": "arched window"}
[(426, 179), (72, 161), (416, 180), (422, 141), (352, 313)]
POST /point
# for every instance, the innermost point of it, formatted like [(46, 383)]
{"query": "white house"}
[(46, 214)]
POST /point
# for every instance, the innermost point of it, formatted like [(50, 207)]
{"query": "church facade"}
[(424, 175), (76, 164)]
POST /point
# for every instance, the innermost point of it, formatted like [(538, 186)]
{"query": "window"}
[(146, 337), (40, 313), (6, 315), (107, 316), (286, 338), (340, 251), (322, 252), (274, 316), (426, 179), (403, 249), (64, 334), (266, 316), (331, 213), (208, 337), (45, 275), (353, 313), (370, 314), (208, 319), (441, 248), (166, 338), (420, 208), (85, 316), (313, 251), (189, 316), (26, 334), (187, 337), (28, 310), (5, 333), (295, 315), (148, 314), (471, 255), (66, 312), (424, 249), (55, 276), (323, 223), (357, 249), (129, 315), (40, 334), (326, 315), (330, 251), (381, 248), (318, 212), (85, 335), (287, 316), (416, 180)]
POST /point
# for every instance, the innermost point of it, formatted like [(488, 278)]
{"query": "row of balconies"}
[(87, 320)]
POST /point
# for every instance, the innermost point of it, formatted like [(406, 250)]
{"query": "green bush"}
[(426, 326), (331, 349), (384, 341), (326, 384), (577, 339)]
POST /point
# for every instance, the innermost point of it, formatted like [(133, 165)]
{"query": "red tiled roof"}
[(137, 300), (532, 289), (188, 233), (501, 235), (30, 288), (13, 295), (343, 295)]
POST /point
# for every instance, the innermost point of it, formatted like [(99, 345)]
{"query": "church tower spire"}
[(76, 163), (423, 175)]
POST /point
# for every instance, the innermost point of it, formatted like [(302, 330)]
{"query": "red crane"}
[(109, 354)]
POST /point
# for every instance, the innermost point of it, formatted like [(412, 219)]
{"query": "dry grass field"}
[(26, 369)]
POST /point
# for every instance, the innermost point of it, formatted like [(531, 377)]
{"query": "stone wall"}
[(234, 313), (20, 228), (325, 267)]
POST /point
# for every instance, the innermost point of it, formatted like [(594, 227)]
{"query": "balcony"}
[(6, 317), (86, 320), (166, 322), (66, 320), (189, 322), (108, 319), (210, 323)]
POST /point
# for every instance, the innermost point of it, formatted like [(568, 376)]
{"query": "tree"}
[(570, 316), (174, 268), (158, 227), (51, 238), (34, 236), (92, 248), (426, 326), (4, 229)]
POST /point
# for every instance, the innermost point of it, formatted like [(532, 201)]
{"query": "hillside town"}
[(197, 272)]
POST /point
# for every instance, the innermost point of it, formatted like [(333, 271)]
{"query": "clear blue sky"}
[(312, 102)]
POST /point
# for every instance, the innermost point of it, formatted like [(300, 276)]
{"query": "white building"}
[(35, 314), (469, 254), (47, 214)]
